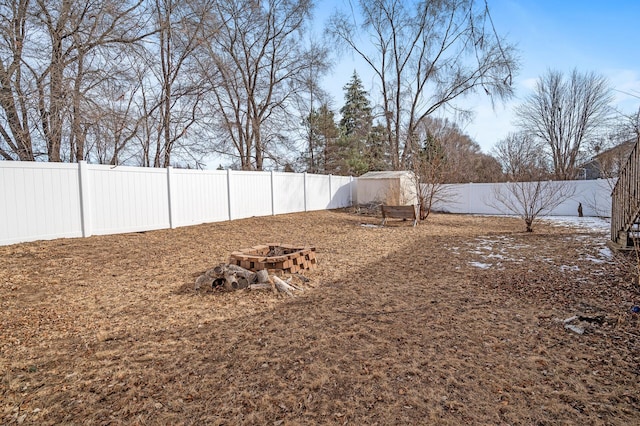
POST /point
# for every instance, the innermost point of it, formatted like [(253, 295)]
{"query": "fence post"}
[(273, 199), (85, 198), (170, 197), (229, 192), (330, 192), (352, 188), (305, 191)]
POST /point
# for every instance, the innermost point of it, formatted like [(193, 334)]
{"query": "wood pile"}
[(233, 277)]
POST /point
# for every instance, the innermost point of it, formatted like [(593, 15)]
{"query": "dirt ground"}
[(456, 321)]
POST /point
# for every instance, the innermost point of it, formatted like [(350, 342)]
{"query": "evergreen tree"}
[(356, 112), (355, 127), (321, 156), (377, 152)]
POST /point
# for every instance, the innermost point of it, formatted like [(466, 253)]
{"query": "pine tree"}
[(356, 112), (321, 156), (355, 127), (377, 152)]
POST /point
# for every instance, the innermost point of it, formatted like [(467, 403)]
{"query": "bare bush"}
[(530, 200)]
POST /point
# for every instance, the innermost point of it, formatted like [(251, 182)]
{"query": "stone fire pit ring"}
[(281, 257)]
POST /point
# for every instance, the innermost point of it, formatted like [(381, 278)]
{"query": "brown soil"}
[(397, 326)]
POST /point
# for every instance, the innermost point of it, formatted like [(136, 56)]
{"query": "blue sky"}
[(599, 36)]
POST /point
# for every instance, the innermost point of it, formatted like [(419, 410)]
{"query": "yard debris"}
[(583, 322), (233, 277), (574, 328), (367, 209), (230, 277)]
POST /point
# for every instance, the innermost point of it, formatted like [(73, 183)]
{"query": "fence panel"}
[(198, 196), (128, 199), (481, 198), (39, 201), (250, 194), (288, 192), (318, 194), (342, 190)]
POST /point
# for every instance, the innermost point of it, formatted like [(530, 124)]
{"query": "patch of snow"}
[(605, 253), (499, 247), (496, 256), (593, 259), (589, 223), (480, 265), (565, 268)]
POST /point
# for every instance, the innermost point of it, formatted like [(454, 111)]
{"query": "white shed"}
[(394, 188)]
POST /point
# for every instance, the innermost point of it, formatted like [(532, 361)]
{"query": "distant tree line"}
[(154, 82), (160, 82), (171, 82)]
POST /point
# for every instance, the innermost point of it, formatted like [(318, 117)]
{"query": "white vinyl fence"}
[(480, 198), (52, 200)]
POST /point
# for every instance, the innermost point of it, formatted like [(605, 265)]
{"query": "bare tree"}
[(55, 54), (565, 113), (628, 128), (307, 97), (117, 119), (428, 172), (173, 97), (15, 90), (521, 156), (425, 55), (429, 163), (465, 161), (254, 66), (78, 36), (446, 155)]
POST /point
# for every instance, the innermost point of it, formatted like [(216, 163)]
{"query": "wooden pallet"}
[(282, 257)]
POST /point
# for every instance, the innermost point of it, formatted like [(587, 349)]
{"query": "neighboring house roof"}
[(607, 163)]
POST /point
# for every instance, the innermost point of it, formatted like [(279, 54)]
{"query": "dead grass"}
[(398, 327)]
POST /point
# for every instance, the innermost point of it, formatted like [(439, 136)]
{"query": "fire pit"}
[(282, 257)]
